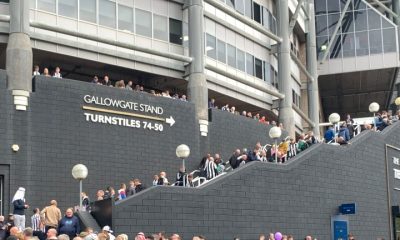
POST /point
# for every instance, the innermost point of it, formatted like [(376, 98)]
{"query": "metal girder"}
[(338, 25), (303, 115), (383, 1), (301, 66), (295, 16), (386, 9)]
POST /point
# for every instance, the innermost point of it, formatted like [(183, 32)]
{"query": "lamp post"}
[(397, 102), (374, 108), (80, 172), (334, 118), (275, 133), (182, 152)]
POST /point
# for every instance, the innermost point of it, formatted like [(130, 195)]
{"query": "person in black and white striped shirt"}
[(210, 168), (36, 222), (292, 150)]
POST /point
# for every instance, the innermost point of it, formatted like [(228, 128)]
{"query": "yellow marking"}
[(122, 113)]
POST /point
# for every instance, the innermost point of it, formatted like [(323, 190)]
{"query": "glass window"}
[(359, 5), (68, 8), (265, 18), (258, 68), (230, 3), (333, 19), (343, 3), (273, 24), (248, 8), (175, 31), (221, 48), (333, 6), (389, 40), (211, 46), (322, 43), (87, 10), (185, 36), (320, 7), (374, 20), (360, 18), (239, 6), (336, 49), (274, 77), (257, 12), (143, 22), (231, 55), (267, 72), (125, 18), (249, 64), (241, 61), (321, 25), (47, 5), (386, 23), (160, 30), (375, 41), (348, 45), (348, 23), (362, 43), (107, 13)]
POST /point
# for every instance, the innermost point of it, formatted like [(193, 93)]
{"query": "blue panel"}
[(340, 230), (349, 208)]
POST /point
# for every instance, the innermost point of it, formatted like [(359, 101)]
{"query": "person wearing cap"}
[(18, 202), (51, 215), (107, 230), (69, 224)]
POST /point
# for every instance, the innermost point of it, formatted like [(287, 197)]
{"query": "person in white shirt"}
[(36, 70), (57, 73)]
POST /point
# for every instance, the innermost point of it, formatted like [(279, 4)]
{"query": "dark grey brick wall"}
[(297, 198), (54, 136), (229, 132)]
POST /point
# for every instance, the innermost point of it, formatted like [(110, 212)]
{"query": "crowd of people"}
[(49, 224), (343, 132), (232, 109), (118, 84), (45, 224), (213, 165)]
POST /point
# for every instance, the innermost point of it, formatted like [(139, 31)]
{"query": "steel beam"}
[(305, 117), (295, 16), (301, 66), (338, 25), (386, 9)]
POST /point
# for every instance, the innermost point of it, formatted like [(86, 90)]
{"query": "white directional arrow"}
[(170, 120)]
